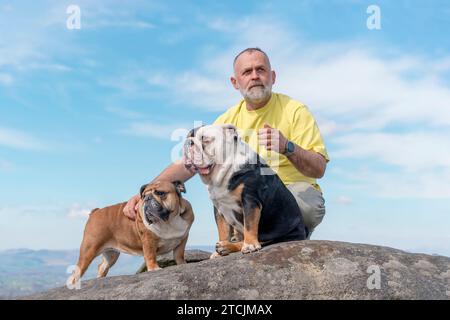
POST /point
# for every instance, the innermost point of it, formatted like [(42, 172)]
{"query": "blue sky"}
[(87, 116)]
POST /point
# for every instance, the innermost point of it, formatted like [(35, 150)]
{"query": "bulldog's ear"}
[(229, 127), (192, 133), (179, 186), (141, 192), (232, 129)]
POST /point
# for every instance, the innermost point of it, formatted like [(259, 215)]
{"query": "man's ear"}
[(234, 83), (274, 76), (179, 186), (141, 192)]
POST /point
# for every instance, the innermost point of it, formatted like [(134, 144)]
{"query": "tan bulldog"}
[(161, 226)]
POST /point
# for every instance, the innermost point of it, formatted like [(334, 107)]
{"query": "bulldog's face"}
[(161, 200), (208, 147)]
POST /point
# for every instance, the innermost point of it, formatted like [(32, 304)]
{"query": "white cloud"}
[(5, 79), (328, 127), (212, 93), (369, 91), (73, 211), (113, 23), (155, 130), (35, 39), (413, 151), (29, 44), (344, 200), (396, 184), (418, 163), (20, 140), (123, 112), (54, 225), (97, 140), (6, 8), (77, 211), (30, 210), (208, 91), (395, 234), (48, 66), (17, 54), (6, 166)]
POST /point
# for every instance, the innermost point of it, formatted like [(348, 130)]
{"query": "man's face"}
[(253, 76)]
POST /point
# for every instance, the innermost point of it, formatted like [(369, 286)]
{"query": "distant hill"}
[(25, 271)]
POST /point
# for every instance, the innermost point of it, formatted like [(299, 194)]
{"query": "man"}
[(281, 130)]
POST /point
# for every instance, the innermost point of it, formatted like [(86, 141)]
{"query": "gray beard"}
[(256, 94)]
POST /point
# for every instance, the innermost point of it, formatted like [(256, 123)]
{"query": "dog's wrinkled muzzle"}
[(154, 211), (193, 157)]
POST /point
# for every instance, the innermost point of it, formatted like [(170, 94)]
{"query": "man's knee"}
[(311, 203)]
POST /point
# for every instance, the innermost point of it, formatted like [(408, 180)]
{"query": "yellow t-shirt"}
[(295, 122)]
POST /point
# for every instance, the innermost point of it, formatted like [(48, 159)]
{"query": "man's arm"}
[(309, 163), (175, 171)]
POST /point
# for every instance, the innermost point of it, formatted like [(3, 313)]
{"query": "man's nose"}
[(255, 75)]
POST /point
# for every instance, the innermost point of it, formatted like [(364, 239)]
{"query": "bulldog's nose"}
[(151, 202)]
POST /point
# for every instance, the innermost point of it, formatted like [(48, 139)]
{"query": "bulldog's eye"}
[(206, 139), (160, 193)]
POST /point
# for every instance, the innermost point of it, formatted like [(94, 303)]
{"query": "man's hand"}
[(132, 207), (272, 139)]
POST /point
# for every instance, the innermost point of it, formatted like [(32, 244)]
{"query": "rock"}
[(292, 270), (167, 260)]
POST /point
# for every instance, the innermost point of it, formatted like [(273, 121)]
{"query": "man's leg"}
[(311, 203)]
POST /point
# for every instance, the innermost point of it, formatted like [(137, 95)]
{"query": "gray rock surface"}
[(294, 270), (166, 260)]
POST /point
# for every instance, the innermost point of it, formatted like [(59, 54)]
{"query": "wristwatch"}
[(289, 148)]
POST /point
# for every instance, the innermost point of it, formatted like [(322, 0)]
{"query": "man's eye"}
[(160, 193)]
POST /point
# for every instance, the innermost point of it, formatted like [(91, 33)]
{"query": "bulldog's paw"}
[(250, 247), (154, 268), (214, 255), (72, 281), (223, 248)]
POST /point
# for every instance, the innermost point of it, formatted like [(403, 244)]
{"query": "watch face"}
[(290, 147)]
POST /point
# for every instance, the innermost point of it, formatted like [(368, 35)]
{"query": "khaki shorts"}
[(311, 203)]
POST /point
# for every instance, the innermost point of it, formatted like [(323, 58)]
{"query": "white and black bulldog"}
[(247, 195)]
